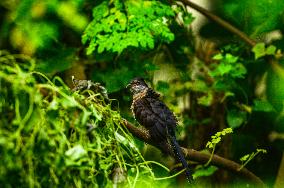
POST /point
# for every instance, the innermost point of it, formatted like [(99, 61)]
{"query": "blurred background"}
[(208, 76)]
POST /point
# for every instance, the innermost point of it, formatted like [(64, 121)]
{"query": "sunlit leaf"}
[(259, 50), (201, 172)]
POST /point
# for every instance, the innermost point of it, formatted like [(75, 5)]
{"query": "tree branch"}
[(196, 156), (221, 22)]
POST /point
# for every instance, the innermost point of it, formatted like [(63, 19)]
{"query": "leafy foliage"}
[(260, 50), (50, 135), (228, 67), (118, 25)]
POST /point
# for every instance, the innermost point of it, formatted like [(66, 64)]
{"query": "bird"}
[(156, 117)]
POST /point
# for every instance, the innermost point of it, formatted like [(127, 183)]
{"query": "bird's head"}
[(137, 85)]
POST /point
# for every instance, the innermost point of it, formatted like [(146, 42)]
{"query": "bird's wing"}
[(155, 116), (162, 111)]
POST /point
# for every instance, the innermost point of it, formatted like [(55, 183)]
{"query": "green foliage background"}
[(210, 79)]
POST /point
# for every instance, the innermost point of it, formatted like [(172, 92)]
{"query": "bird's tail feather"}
[(179, 155)]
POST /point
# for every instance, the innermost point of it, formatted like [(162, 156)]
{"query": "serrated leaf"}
[(147, 18)]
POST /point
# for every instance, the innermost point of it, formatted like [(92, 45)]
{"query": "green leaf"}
[(261, 151), (206, 100), (236, 118), (198, 85), (201, 172), (262, 106), (239, 71), (101, 49), (218, 56), (244, 158), (224, 69), (229, 58), (188, 19), (101, 11), (259, 50), (271, 50)]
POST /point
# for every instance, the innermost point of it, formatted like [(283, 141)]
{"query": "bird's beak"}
[(128, 86)]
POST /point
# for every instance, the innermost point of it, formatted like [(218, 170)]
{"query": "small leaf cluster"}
[(248, 157), (260, 50), (218, 137), (228, 66), (215, 139), (118, 24)]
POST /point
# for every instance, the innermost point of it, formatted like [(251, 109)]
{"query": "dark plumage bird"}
[(156, 117)]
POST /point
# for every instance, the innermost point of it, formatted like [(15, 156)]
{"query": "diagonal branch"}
[(221, 22), (196, 156)]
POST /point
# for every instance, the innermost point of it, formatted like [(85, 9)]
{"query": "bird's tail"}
[(179, 155)]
